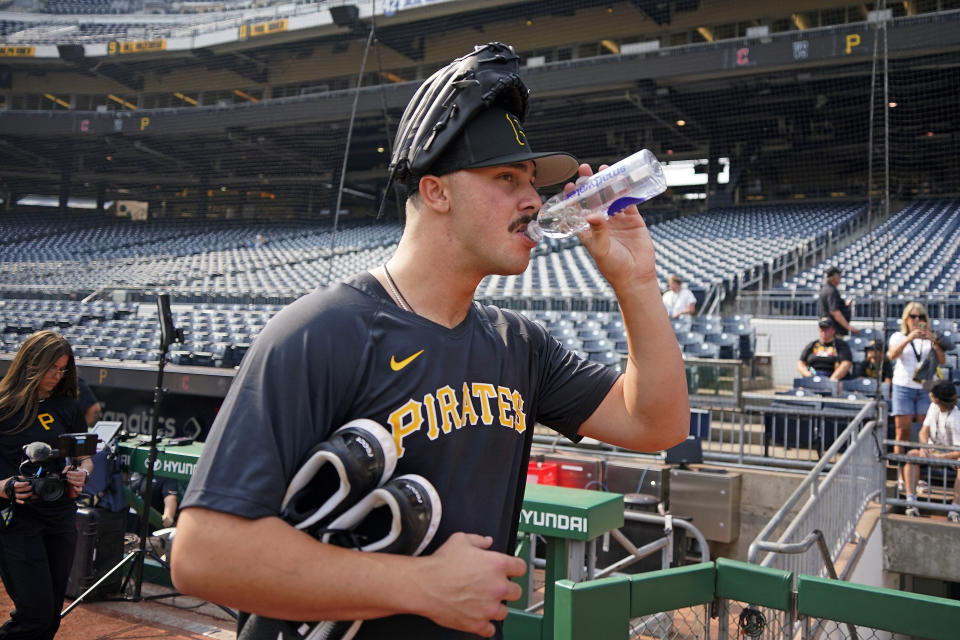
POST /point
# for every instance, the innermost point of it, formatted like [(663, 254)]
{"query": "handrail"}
[(656, 545), (814, 537), (811, 483)]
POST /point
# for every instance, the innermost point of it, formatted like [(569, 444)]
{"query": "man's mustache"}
[(516, 224)]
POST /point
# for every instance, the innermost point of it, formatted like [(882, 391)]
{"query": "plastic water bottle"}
[(633, 180)]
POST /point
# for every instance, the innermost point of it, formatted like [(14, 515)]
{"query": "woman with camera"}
[(38, 529), (908, 348)]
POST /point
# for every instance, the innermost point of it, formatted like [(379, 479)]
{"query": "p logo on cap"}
[(518, 131)]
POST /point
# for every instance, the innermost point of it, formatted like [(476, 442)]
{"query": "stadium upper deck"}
[(248, 110)]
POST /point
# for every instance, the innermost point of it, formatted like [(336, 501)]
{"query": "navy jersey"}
[(461, 404)]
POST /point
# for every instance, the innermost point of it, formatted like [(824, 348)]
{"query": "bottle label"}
[(598, 180), (622, 203)]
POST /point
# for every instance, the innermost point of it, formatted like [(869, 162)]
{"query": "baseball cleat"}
[(400, 517), (357, 458)]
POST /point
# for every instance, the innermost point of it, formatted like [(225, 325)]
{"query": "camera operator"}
[(38, 532)]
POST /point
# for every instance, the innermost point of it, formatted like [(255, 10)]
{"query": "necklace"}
[(395, 291)]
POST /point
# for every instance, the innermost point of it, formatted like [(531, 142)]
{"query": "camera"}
[(43, 466)]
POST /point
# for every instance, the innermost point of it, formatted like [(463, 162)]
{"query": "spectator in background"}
[(38, 403), (164, 498), (827, 356), (908, 347), (875, 363), (941, 426), (678, 299), (92, 409), (830, 304)]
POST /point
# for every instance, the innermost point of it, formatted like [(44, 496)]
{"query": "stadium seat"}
[(819, 384)]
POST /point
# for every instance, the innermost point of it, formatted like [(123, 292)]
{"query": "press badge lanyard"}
[(915, 354)]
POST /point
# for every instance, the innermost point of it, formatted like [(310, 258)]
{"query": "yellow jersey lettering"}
[(433, 425), (45, 420), (447, 398), (468, 415), (519, 418), (404, 421), (503, 401), (485, 392)]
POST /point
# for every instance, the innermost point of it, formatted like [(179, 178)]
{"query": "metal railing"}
[(783, 431), (727, 599), (936, 484), (803, 303), (798, 437), (834, 503)]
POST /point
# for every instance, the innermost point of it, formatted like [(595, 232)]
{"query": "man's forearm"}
[(839, 319), (841, 371), (284, 573), (654, 378)]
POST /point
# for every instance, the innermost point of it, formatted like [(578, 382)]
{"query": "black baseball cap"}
[(825, 322), (945, 391), (494, 137)]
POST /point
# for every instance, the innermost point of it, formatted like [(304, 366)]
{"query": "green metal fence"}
[(729, 599)]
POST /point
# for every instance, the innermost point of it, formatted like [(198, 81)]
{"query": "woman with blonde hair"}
[(908, 348), (38, 535)]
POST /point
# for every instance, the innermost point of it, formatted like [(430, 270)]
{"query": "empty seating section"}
[(219, 334), (731, 245), (197, 260), (728, 248), (915, 252), (202, 263), (78, 21), (214, 335)]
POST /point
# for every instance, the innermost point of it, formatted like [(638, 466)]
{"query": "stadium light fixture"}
[(60, 101), (121, 101), (186, 98), (244, 95)]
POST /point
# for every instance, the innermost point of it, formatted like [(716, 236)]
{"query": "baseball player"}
[(457, 384)]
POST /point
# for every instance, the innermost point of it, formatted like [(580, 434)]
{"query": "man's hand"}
[(466, 584), (620, 244)]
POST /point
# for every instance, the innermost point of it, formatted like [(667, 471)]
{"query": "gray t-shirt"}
[(462, 408)]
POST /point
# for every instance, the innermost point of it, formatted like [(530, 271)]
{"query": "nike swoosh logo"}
[(396, 366)]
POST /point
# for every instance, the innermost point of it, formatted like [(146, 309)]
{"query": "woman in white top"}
[(908, 347)]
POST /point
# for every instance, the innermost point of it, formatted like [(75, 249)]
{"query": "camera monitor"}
[(107, 430), (73, 445)]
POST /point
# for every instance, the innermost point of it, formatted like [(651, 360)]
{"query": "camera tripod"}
[(168, 335)]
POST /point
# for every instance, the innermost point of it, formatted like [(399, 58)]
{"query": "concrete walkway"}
[(179, 618)]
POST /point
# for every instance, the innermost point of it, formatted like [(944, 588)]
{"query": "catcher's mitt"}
[(449, 99)]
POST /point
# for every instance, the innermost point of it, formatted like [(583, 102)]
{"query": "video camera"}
[(43, 466)]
